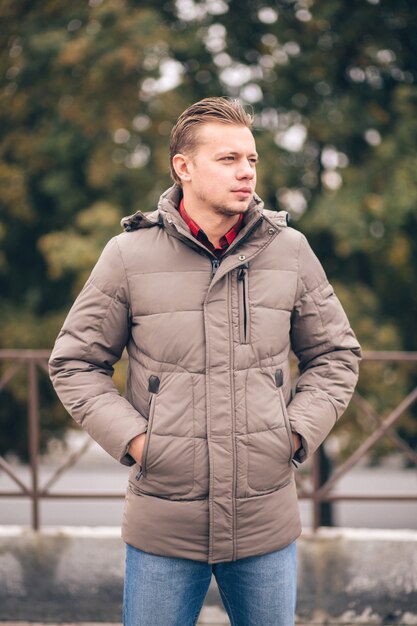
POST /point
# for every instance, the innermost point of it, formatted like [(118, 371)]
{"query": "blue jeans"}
[(167, 591)]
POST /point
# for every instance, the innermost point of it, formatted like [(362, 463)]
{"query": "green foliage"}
[(88, 95)]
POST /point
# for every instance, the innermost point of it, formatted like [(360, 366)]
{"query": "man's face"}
[(222, 169)]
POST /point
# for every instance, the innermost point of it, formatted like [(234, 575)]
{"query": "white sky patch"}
[(386, 56), (215, 39), (171, 76), (267, 15), (267, 61), (188, 10), (267, 118), (138, 158), (356, 74), (141, 122), (373, 76), (216, 7), (331, 180), (303, 15), (332, 158), (236, 75), (222, 59), (293, 138), (280, 56), (121, 135), (373, 137), (251, 93), (292, 48), (293, 201), (269, 40)]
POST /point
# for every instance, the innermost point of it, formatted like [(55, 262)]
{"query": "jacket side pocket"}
[(279, 383), (153, 388)]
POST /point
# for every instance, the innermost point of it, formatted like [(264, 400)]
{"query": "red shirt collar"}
[(199, 234)]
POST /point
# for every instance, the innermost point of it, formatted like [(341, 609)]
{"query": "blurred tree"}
[(88, 94)]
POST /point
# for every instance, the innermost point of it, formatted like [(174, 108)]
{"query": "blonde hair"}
[(222, 110)]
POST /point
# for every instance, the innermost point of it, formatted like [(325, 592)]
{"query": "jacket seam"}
[(267, 492), (273, 308), (160, 362), (177, 436), (185, 271), (126, 277), (308, 292), (98, 326), (112, 297), (246, 401), (167, 312), (264, 430)]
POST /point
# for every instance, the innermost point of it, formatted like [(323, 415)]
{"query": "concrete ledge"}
[(345, 576), (362, 576)]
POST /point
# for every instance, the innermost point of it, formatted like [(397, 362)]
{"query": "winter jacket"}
[(208, 377)]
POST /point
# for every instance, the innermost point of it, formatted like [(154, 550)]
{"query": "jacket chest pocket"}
[(243, 302)]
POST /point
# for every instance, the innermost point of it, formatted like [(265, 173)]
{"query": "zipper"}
[(243, 289), (153, 388), (233, 416), (215, 263)]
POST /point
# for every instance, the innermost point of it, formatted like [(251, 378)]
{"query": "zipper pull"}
[(214, 266), (139, 474), (242, 271)]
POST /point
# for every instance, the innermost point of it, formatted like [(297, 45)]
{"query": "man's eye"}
[(228, 158)]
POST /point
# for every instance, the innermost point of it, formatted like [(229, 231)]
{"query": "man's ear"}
[(181, 163)]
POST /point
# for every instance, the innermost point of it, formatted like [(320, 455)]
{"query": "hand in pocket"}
[(136, 447)]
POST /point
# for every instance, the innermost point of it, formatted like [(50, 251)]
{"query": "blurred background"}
[(88, 94)]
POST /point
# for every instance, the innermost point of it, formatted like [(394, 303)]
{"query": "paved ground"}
[(200, 623)]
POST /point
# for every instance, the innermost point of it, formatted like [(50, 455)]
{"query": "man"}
[(209, 293)]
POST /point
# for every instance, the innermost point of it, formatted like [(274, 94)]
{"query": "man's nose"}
[(246, 170)]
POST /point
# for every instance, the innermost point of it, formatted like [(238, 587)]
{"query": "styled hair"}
[(184, 136)]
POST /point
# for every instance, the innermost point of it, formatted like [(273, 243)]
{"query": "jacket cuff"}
[(126, 458)]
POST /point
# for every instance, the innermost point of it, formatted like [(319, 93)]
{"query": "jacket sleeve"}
[(92, 339), (328, 354)]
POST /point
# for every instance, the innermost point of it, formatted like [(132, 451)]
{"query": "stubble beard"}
[(226, 210)]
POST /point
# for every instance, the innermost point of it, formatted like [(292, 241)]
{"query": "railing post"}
[(33, 409)]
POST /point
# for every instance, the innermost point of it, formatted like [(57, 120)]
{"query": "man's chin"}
[(236, 208)]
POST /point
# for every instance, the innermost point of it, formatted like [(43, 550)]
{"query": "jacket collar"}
[(168, 216), (167, 213)]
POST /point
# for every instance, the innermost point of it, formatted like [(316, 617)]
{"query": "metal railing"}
[(319, 492)]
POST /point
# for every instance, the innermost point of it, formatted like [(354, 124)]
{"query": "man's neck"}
[(213, 224)]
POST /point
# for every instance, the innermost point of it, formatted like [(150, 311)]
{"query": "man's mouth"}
[(243, 191)]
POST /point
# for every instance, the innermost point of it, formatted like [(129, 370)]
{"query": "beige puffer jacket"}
[(208, 378)]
